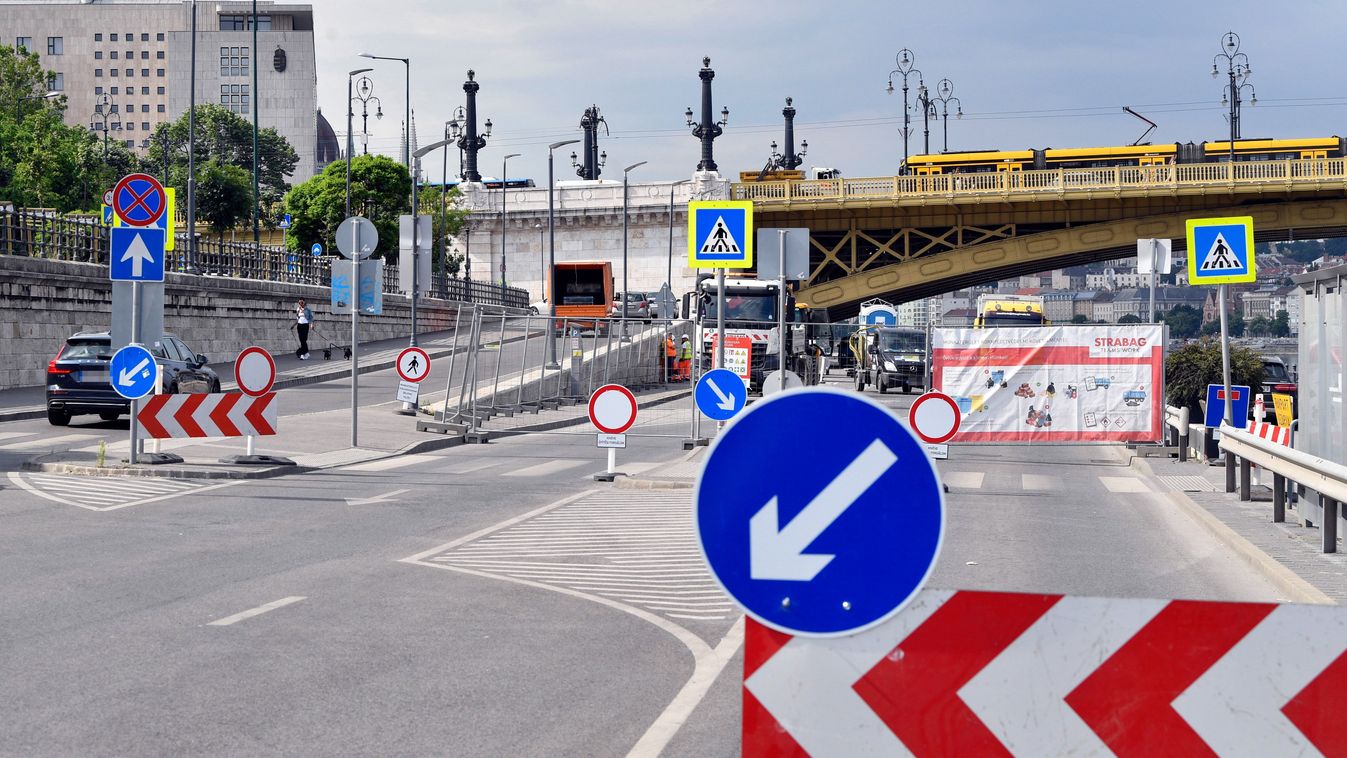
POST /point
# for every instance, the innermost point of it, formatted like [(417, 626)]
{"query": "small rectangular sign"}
[(1239, 405), (940, 452), (1154, 255), (408, 392), (797, 253), (612, 440), (1282, 404)]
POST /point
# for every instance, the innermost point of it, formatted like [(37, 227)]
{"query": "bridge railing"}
[(1059, 181), (1327, 478), (84, 239)]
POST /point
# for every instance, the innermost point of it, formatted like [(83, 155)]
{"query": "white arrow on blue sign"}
[(137, 254), (721, 394), (132, 372), (881, 317), (819, 539), (317, 249)]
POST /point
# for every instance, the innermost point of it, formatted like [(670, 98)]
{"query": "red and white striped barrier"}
[(229, 414), (990, 673), (1279, 435)]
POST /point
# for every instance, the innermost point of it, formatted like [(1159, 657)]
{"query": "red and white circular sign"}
[(934, 417), (255, 371), (612, 409), (413, 364)]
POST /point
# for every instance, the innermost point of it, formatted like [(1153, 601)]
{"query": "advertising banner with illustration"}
[(1068, 383)]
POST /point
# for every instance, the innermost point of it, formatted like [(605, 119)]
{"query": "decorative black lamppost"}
[(707, 130), (593, 162), (927, 111), (789, 160), (944, 94), (906, 61), (364, 92), (471, 142), (1237, 68)]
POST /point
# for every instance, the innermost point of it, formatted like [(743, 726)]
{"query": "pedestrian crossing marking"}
[(718, 240), (1219, 257), (1220, 250), (720, 234), (106, 493)]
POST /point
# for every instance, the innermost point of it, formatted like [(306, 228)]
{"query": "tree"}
[(1259, 326), (1281, 325), (380, 191), (1129, 318), (1211, 328), (1079, 318), (1237, 326), (226, 137), (1189, 369), (1184, 321), (224, 195)]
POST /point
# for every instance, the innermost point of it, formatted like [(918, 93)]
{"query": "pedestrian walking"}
[(303, 319), (670, 358), (685, 360)]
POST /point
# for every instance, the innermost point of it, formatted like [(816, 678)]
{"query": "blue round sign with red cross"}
[(139, 200)]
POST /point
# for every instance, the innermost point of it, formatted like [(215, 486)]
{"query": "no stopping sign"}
[(612, 409), (934, 417)]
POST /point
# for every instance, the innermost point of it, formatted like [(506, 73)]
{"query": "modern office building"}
[(126, 64)]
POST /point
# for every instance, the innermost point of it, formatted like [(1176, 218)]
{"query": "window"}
[(131, 143), (98, 37), (130, 126), (144, 72), (56, 82), (161, 107), (144, 90), (144, 36), (113, 55), (234, 97), (98, 55), (144, 126), (98, 90), (144, 55), (145, 108), (159, 72), (112, 37), (159, 54), (113, 108), (114, 90), (159, 37), (130, 54), (160, 90), (130, 72), (239, 22), (55, 45), (23, 43), (233, 61)]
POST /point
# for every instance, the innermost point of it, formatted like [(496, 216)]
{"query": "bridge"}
[(906, 237)]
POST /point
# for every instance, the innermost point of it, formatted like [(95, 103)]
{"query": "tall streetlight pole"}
[(927, 110), (707, 129), (103, 112), (416, 286), (626, 293), (407, 124), (944, 94), (1238, 71), (257, 198), (191, 151), (350, 139), (18, 104), (470, 143), (550, 287), (504, 168), (364, 92), (906, 61)]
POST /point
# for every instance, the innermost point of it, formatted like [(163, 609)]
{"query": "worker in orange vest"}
[(670, 350)]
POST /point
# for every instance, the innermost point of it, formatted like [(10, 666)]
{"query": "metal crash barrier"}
[(1324, 477), (1176, 420)]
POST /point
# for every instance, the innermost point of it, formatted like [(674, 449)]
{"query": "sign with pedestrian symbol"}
[(721, 394), (137, 254), (132, 372), (819, 540), (720, 234), (1220, 250), (413, 364)]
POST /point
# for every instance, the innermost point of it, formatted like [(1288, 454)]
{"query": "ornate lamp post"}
[(927, 111), (589, 124), (944, 94), (103, 113), (789, 160), (906, 61), (364, 92), (350, 138), (1237, 68), (707, 130), (471, 142)]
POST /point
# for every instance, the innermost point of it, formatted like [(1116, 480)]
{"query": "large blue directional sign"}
[(823, 538), (1239, 405), (721, 394), (137, 254), (132, 372)]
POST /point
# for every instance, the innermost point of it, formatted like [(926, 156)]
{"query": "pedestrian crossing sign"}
[(1220, 250), (720, 234)]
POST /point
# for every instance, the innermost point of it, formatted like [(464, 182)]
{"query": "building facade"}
[(126, 66)]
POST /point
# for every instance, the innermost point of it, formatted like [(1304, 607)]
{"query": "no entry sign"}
[(934, 417), (254, 371), (612, 409)]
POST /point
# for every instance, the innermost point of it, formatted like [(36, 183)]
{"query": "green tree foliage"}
[(1237, 326), (1189, 369), (1211, 328), (447, 219), (1184, 321), (1281, 325), (1079, 318), (224, 195), (1130, 318), (1260, 326), (380, 191)]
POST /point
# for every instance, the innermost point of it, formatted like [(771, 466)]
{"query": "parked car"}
[(78, 381), (638, 305), (1277, 379)]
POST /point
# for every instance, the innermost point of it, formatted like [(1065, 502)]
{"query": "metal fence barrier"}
[(85, 239), (1324, 477), (1176, 419)]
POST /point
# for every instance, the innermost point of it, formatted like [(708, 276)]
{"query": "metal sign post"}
[(781, 308), (134, 455), (357, 238)]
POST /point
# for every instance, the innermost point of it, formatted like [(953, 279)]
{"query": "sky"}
[(1027, 74)]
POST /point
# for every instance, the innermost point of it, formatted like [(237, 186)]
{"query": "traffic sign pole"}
[(1225, 379), (355, 340), (781, 309), (134, 455)]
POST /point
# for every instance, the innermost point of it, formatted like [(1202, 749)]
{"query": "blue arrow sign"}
[(137, 254), (819, 539), (1239, 405), (721, 394), (317, 249), (132, 372)]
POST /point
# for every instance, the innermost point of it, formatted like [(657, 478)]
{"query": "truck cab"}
[(751, 313), (890, 357)]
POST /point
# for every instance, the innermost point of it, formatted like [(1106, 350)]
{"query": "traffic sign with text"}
[(721, 394), (137, 254), (720, 234), (1220, 250), (133, 372)]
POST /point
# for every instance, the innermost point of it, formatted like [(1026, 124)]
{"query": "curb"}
[(1296, 587)]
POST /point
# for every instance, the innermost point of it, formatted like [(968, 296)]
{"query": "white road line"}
[(48, 441), (388, 464), (1123, 484), (1040, 482), (12, 435), (964, 480), (546, 467), (258, 611), (471, 466)]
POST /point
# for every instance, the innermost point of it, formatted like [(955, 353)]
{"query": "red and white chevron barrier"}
[(1280, 435), (229, 414), (988, 673)]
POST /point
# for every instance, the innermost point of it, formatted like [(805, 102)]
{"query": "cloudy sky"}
[(1028, 74)]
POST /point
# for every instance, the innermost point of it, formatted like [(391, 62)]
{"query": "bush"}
[(1192, 367)]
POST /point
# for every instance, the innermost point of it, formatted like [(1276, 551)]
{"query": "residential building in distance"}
[(135, 57)]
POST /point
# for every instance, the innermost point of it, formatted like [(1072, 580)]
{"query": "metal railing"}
[(84, 239), (1177, 420), (1327, 478), (1085, 182)]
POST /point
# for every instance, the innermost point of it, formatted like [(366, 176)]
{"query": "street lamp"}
[(905, 60), (350, 140), (927, 110), (471, 142), (790, 160), (364, 92), (626, 293), (18, 104), (944, 94), (549, 293), (407, 125), (103, 112), (707, 130), (416, 287), (504, 171)]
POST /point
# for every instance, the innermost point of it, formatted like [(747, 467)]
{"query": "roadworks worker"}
[(685, 360), (670, 358)]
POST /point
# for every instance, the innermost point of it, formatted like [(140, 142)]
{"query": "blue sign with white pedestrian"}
[(137, 254), (285, 222), (1220, 250), (317, 249), (824, 538), (720, 234), (881, 317), (132, 372), (1239, 405), (721, 394)]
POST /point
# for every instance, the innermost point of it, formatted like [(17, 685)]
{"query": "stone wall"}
[(44, 301)]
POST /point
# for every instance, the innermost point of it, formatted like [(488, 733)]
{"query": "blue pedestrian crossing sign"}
[(1220, 250), (137, 254), (285, 222), (132, 372), (720, 234), (721, 394), (821, 539)]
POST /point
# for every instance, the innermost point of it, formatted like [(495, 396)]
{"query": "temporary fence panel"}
[(1322, 343), (1065, 383)]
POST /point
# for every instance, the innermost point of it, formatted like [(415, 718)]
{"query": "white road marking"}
[(258, 611), (546, 467), (12, 435), (102, 493), (1040, 482), (1123, 484), (387, 464), (387, 497), (471, 466), (964, 480), (64, 439)]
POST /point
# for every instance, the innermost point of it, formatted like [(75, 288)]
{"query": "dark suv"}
[(1277, 379), (78, 383)]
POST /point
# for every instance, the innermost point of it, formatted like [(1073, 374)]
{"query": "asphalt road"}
[(481, 600)]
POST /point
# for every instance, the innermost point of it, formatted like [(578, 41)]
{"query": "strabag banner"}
[(1068, 383)]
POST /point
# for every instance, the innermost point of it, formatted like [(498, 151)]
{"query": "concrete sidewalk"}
[(1288, 551)]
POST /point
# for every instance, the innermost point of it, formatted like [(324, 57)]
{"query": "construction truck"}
[(890, 357), (994, 311), (751, 321)]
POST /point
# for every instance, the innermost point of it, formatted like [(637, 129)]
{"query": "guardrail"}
[(1325, 477), (1287, 175), (84, 239), (1177, 419)]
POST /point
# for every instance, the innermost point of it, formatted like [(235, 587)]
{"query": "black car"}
[(78, 382), (1276, 379)]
